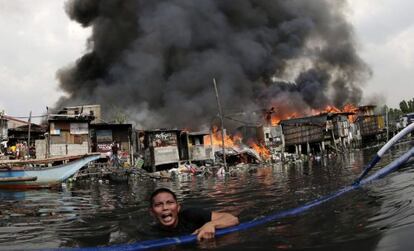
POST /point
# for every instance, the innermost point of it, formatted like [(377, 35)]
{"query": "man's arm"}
[(218, 220)]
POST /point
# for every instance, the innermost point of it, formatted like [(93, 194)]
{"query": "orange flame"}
[(327, 109), (261, 150), (353, 109), (229, 140), (276, 119), (235, 140), (332, 109), (349, 108)]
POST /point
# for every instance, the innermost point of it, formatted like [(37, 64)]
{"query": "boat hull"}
[(45, 177)]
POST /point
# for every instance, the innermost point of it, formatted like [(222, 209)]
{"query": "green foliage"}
[(394, 114), (407, 106)]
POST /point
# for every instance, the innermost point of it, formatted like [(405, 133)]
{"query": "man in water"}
[(168, 213)]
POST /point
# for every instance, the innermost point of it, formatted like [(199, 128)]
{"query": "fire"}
[(327, 109), (236, 140), (261, 150), (353, 109), (229, 140), (348, 108), (332, 109), (276, 119)]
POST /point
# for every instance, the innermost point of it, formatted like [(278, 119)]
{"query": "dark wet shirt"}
[(189, 220)]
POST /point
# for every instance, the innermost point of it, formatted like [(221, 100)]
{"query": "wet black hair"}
[(161, 190)]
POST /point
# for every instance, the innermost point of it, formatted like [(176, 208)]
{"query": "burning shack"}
[(103, 135), (313, 134), (270, 137), (162, 148)]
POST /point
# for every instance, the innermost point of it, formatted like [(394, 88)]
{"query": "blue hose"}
[(384, 149), (150, 244)]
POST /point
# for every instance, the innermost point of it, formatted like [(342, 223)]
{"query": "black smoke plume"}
[(156, 60)]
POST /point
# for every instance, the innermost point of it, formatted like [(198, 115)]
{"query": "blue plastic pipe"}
[(384, 149), (152, 244)]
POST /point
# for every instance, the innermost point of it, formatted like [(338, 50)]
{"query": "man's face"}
[(165, 208)]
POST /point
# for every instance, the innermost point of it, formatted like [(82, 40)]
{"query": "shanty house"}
[(103, 135), (67, 135), (269, 136), (198, 150), (369, 124), (21, 134), (311, 134), (15, 131), (162, 148)]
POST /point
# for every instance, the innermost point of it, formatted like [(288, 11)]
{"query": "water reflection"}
[(377, 217)]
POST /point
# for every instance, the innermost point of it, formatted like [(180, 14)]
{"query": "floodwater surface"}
[(378, 216)]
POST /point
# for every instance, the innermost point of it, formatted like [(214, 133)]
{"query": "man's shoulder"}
[(193, 210), (192, 213)]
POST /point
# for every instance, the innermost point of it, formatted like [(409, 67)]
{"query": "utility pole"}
[(29, 129), (387, 122), (222, 125), (47, 154)]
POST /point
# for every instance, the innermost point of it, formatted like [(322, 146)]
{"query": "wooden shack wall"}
[(370, 125), (63, 142), (302, 134), (161, 147), (341, 129)]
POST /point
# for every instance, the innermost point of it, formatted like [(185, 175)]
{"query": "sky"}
[(38, 39)]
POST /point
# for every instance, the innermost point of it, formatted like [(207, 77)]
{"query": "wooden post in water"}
[(222, 125), (28, 134)]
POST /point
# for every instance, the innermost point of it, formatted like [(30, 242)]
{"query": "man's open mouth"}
[(167, 217)]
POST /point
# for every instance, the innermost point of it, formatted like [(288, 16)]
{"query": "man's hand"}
[(206, 232), (218, 220)]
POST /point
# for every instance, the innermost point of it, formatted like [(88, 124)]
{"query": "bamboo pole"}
[(222, 125)]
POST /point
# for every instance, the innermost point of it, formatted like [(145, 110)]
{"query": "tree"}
[(407, 106), (404, 106), (394, 114), (411, 105)]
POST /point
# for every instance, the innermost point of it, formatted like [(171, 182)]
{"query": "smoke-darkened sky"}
[(157, 59)]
